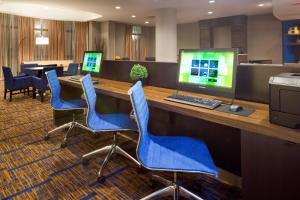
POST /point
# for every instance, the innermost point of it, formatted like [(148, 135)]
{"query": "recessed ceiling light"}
[(118, 7), (146, 22), (261, 5), (210, 12), (212, 1), (133, 16)]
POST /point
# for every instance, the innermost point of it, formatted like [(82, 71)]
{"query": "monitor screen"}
[(92, 61), (207, 68), (212, 69)]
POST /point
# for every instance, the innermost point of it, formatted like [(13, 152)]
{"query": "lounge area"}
[(149, 100)]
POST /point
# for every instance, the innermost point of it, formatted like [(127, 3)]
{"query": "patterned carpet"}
[(31, 168)]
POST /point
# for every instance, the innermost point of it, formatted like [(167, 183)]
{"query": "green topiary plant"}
[(138, 72)]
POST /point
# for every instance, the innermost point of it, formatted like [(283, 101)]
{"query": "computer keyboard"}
[(195, 101), (76, 78)]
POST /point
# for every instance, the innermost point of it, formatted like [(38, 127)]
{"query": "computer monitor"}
[(92, 61), (208, 71)]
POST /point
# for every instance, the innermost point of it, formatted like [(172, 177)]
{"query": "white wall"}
[(264, 38)]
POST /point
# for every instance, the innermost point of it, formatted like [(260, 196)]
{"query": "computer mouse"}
[(235, 108)]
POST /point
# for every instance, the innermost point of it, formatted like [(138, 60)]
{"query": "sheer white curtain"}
[(9, 43)]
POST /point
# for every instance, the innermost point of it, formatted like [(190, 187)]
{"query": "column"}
[(166, 35)]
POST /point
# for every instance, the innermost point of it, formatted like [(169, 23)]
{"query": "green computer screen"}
[(207, 68), (92, 61)]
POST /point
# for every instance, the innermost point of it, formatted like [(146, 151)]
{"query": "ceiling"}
[(286, 9), (187, 10)]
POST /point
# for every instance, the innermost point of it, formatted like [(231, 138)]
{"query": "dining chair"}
[(41, 83), (14, 83), (106, 123), (168, 153), (25, 72), (63, 105)]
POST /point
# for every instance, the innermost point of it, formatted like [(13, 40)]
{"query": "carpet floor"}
[(31, 168)]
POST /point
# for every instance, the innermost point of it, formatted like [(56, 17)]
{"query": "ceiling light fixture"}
[(118, 7), (261, 5), (146, 22), (133, 16), (212, 1), (210, 12)]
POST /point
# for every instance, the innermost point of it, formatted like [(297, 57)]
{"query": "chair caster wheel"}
[(141, 170), (47, 137), (63, 145), (101, 179), (85, 162)]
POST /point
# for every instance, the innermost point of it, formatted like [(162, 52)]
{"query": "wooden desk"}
[(257, 123), (270, 160)]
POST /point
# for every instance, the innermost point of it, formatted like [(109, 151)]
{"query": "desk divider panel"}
[(160, 74)]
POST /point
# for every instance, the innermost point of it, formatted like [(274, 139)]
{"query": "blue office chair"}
[(58, 104), (168, 153), (72, 70), (14, 83), (25, 66), (115, 123)]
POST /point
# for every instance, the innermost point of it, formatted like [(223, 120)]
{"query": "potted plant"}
[(138, 73)]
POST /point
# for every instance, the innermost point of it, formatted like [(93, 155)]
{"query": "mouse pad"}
[(245, 112)]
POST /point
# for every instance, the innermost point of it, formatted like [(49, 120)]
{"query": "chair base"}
[(71, 125), (171, 189), (110, 150)]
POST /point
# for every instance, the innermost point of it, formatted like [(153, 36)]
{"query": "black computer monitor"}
[(208, 71), (92, 61)]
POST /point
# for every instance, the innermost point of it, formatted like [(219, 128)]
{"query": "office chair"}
[(115, 123), (168, 153), (14, 83), (58, 104), (72, 70)]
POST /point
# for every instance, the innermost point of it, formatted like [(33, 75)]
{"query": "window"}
[(136, 41), (69, 35), (41, 37)]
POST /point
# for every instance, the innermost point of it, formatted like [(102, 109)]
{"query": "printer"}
[(284, 90)]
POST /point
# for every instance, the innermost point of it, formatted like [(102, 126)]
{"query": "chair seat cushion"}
[(177, 153), (69, 105), (21, 82), (113, 122)]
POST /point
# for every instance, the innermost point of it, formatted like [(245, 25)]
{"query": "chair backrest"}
[(8, 77), (141, 111), (90, 96), (73, 68), (54, 86), (24, 66)]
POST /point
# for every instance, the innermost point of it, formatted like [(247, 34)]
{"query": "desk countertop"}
[(258, 122)]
